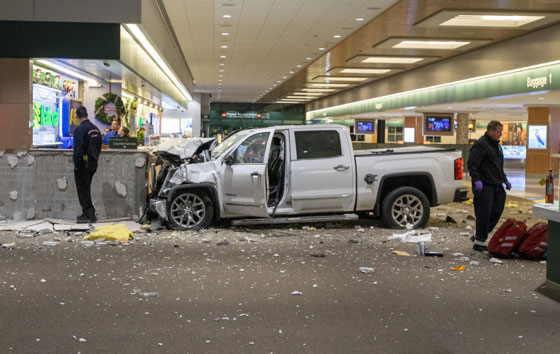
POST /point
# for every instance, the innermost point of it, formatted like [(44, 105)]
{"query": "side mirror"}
[(229, 160)]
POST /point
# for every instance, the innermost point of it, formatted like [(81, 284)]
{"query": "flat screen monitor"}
[(537, 137), (438, 124), (364, 127)]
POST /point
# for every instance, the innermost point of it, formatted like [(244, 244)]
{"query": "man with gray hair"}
[(486, 168)]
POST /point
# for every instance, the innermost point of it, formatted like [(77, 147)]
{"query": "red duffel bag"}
[(507, 239), (535, 244)]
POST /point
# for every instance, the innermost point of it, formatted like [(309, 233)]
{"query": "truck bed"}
[(400, 150)]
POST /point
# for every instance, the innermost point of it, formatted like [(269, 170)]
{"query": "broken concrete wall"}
[(44, 182)]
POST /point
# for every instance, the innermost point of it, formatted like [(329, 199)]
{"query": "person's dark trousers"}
[(488, 207), (84, 176)]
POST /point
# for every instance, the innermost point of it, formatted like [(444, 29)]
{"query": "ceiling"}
[(281, 49), (266, 41)]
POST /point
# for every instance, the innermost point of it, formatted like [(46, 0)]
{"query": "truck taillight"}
[(459, 163)]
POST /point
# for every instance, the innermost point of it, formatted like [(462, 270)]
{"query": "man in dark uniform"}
[(486, 167), (87, 145)]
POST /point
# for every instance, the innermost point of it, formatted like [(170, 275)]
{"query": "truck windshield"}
[(229, 142)]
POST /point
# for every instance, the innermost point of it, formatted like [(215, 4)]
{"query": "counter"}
[(551, 286)]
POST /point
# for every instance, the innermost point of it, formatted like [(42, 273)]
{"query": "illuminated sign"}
[(245, 115), (43, 116)]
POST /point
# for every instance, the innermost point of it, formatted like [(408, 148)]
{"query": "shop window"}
[(317, 144), (354, 137), (394, 134), (433, 139)]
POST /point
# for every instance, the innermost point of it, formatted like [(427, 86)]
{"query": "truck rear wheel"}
[(190, 210), (405, 205)]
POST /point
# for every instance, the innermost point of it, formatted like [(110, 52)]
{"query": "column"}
[(539, 160), (193, 112), (462, 133), (16, 99), (416, 123)]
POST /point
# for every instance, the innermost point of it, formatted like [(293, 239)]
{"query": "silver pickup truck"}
[(285, 173)]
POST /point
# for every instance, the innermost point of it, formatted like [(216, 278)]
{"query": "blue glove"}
[(478, 186), (508, 185)]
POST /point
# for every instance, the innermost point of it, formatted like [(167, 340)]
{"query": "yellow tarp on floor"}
[(114, 232)]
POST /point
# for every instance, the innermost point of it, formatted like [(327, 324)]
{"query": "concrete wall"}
[(36, 180)]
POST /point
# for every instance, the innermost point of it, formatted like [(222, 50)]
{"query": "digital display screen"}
[(537, 137), (438, 124), (364, 127), (514, 152)]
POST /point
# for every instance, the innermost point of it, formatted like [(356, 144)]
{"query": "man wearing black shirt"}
[(87, 145), (486, 167)]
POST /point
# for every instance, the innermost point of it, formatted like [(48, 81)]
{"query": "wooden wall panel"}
[(538, 161)]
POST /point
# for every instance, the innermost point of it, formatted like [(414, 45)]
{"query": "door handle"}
[(255, 174), (341, 167)]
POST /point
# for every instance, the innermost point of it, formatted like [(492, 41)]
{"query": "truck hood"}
[(185, 148)]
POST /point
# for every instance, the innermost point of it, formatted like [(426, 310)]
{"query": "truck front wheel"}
[(190, 210), (405, 205)]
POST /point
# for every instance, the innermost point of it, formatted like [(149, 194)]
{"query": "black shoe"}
[(82, 219), (90, 213), (480, 248)]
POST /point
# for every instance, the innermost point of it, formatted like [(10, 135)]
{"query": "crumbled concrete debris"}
[(50, 243), (470, 217), (30, 160), (1, 153), (13, 195), (149, 294), (9, 245), (367, 270), (12, 161), (449, 219), (496, 260), (318, 255), (62, 183), (121, 189), (295, 292), (474, 263), (31, 214), (140, 162), (223, 243), (21, 154)]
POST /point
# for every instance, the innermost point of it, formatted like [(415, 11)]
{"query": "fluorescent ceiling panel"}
[(329, 85), (308, 93), (391, 60), (416, 44), (490, 20), (363, 71), (317, 90), (322, 78)]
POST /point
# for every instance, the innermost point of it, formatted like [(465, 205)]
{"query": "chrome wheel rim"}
[(406, 209), (188, 210)]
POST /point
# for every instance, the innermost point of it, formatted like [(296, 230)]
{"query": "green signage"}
[(246, 115), (123, 143), (546, 77), (43, 116)]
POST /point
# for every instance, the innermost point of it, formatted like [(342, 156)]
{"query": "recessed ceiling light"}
[(279, 81), (299, 66), (222, 56), (328, 85), (284, 77), (339, 78), (222, 64), (308, 58), (226, 16), (541, 98), (308, 93), (414, 44), (321, 48), (317, 90), (363, 71), (392, 60), (225, 34), (490, 20), (337, 36), (224, 47), (359, 19), (221, 70), (291, 72)]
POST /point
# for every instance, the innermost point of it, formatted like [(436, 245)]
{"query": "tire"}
[(190, 209), (403, 205)]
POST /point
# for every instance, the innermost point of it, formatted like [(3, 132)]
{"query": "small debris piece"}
[(31, 212), (9, 245), (121, 189), (30, 160), (13, 195), (140, 162), (295, 292), (318, 255), (464, 259), (457, 254), (82, 340), (459, 269), (474, 263), (43, 280), (496, 260), (470, 217), (367, 270), (401, 253), (51, 243), (12, 161), (62, 183), (352, 242), (449, 219), (223, 243)]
